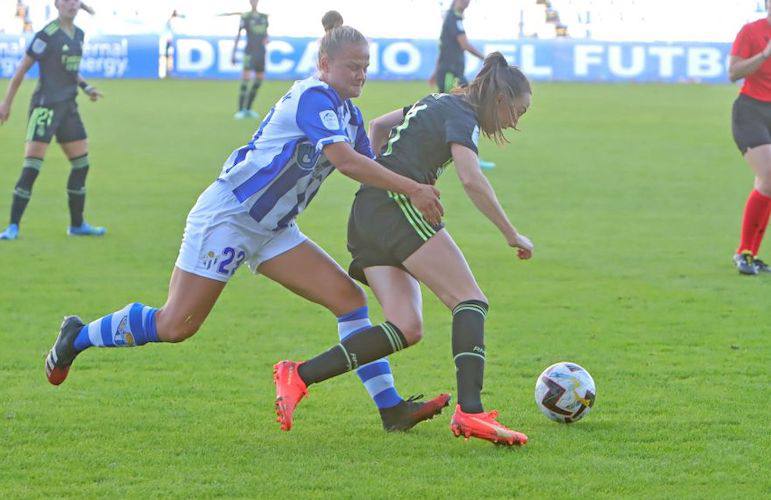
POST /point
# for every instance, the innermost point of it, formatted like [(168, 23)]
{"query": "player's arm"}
[(91, 91), (466, 45), (87, 8), (367, 171), (380, 128), (480, 191), (235, 44), (13, 87), (738, 67)]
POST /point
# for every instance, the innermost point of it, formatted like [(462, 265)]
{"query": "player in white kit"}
[(248, 216)]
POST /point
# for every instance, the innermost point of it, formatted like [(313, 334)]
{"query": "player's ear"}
[(324, 63)]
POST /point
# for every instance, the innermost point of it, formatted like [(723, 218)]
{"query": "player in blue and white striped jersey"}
[(248, 216)]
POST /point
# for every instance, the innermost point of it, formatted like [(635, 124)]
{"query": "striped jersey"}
[(279, 172)]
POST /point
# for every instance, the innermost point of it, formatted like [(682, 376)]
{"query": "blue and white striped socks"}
[(376, 376), (134, 325)]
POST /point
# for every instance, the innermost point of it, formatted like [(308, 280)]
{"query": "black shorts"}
[(383, 230), (448, 79), (751, 122), (254, 61), (60, 118)]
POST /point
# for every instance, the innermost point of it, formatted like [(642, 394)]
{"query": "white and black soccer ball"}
[(565, 392)]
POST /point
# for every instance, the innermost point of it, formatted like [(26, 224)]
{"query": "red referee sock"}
[(763, 223), (756, 213)]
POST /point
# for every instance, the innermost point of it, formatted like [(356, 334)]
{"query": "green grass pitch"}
[(633, 197)]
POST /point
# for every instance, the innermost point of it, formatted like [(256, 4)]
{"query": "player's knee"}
[(452, 300), (348, 298), (176, 329), (763, 184), (411, 328)]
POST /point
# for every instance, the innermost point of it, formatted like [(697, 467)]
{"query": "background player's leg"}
[(243, 92), (256, 82), (34, 152), (756, 211), (312, 274), (77, 153), (440, 264)]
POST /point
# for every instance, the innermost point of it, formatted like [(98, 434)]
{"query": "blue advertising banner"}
[(134, 56), (137, 56), (394, 59)]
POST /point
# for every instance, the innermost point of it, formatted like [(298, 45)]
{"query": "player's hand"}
[(94, 94), (523, 245), (426, 199), (5, 112)]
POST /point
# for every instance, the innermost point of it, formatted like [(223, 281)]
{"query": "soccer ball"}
[(565, 392)]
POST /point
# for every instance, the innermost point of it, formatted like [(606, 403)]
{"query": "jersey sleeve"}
[(463, 131), (458, 28), (39, 46), (317, 118), (742, 46)]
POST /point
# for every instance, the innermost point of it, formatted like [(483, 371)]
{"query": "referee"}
[(751, 124)]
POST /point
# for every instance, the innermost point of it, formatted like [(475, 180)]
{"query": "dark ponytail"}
[(496, 78), (332, 19)]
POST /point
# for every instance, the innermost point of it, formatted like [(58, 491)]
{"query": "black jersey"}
[(256, 26), (58, 56), (450, 51), (419, 148)]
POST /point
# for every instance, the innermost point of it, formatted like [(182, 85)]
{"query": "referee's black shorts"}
[(751, 122), (383, 230)]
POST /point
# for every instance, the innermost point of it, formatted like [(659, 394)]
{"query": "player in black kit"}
[(394, 248), (255, 24), (57, 49), (451, 63)]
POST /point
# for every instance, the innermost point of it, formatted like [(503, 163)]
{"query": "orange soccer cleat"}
[(290, 389), (484, 426)]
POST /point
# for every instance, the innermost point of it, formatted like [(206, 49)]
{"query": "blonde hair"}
[(337, 38), (497, 78)]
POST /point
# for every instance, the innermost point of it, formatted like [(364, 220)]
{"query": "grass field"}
[(633, 197)]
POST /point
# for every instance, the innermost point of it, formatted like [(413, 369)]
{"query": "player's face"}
[(510, 112), (68, 8), (347, 71)]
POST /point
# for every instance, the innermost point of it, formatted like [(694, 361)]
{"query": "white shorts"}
[(220, 236)]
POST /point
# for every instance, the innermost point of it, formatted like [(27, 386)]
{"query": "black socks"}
[(468, 350)]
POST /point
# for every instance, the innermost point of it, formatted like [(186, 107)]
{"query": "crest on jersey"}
[(38, 46), (329, 119)]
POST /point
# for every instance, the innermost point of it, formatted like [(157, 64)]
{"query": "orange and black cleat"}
[(484, 426), (411, 412), (290, 389), (63, 352)]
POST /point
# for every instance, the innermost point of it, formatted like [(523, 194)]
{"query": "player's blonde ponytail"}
[(497, 78)]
